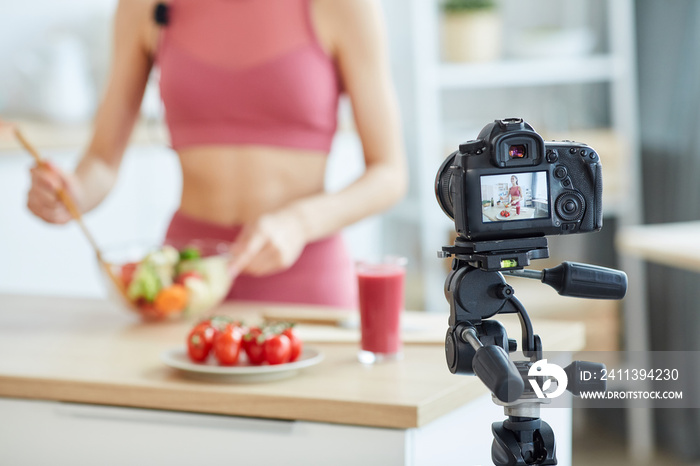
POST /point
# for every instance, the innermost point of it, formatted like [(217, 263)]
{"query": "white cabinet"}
[(76, 434)]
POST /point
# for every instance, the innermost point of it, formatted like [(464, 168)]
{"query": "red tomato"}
[(227, 344), (295, 342), (200, 341), (254, 346), (147, 310), (127, 273), (278, 349), (180, 279)]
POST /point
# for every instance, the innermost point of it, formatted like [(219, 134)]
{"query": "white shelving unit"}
[(434, 81), (540, 72)]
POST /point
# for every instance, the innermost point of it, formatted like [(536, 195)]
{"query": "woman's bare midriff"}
[(231, 185)]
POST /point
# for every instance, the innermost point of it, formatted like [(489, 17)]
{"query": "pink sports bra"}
[(246, 72)]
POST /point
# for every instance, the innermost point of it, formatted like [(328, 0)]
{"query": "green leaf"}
[(466, 5), (190, 253)]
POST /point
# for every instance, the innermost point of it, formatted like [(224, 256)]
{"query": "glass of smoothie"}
[(381, 289)]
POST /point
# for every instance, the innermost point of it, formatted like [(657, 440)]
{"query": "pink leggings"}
[(323, 275)]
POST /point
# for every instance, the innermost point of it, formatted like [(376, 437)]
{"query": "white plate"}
[(177, 358)]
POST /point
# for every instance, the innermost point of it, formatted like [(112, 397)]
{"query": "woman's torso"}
[(235, 183)]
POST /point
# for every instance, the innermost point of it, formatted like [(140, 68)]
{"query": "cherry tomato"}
[(254, 346), (295, 342), (278, 349), (200, 341), (148, 310), (227, 344)]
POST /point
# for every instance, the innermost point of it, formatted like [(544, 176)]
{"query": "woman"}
[(250, 90), (515, 194)]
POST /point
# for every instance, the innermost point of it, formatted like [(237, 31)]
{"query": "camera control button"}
[(552, 155), (593, 156), (583, 153), (570, 206), (566, 182), (569, 227), (560, 172), (572, 150)]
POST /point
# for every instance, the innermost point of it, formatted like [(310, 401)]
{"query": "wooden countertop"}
[(673, 244), (89, 351)]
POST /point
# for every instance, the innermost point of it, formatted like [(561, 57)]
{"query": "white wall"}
[(48, 259)]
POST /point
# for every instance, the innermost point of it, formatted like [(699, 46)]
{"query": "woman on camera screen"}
[(515, 193), (251, 91)]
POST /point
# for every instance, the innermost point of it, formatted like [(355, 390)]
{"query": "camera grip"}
[(499, 374)]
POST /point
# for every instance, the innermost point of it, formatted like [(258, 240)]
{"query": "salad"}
[(170, 282)]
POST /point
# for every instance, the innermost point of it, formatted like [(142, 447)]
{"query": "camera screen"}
[(514, 196)]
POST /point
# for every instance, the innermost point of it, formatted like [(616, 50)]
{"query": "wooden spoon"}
[(77, 216)]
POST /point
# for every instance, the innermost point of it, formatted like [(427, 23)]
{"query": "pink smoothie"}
[(381, 290)]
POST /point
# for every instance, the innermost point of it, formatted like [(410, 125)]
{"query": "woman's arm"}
[(96, 172), (361, 52), (359, 45)]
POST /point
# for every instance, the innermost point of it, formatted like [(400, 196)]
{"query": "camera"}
[(506, 191), (509, 183)]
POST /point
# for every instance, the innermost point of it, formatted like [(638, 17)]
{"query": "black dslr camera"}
[(506, 191), (510, 183)]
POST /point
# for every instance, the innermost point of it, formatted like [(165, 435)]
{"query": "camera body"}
[(509, 183)]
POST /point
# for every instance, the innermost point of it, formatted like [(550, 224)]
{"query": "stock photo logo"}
[(552, 371)]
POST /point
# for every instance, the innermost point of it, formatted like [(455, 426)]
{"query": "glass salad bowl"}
[(171, 281)]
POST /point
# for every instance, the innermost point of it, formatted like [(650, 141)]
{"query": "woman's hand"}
[(270, 244), (43, 200)]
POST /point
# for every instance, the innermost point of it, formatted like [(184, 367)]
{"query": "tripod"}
[(474, 345)]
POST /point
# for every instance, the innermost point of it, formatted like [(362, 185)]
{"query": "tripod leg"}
[(529, 442)]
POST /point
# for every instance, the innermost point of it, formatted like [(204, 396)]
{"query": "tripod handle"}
[(586, 281), (492, 365), (584, 376)]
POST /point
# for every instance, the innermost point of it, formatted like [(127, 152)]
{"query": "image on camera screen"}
[(514, 196)]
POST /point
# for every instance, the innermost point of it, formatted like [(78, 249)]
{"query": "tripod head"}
[(477, 345)]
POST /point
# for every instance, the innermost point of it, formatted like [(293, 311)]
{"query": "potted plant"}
[(471, 30)]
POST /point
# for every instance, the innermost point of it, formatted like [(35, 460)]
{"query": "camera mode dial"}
[(474, 147), (570, 206)]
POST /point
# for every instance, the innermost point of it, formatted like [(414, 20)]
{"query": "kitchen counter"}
[(677, 245), (86, 351), (89, 352), (493, 214), (672, 244)]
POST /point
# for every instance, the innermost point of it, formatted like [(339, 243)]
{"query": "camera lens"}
[(517, 151), (443, 186)]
